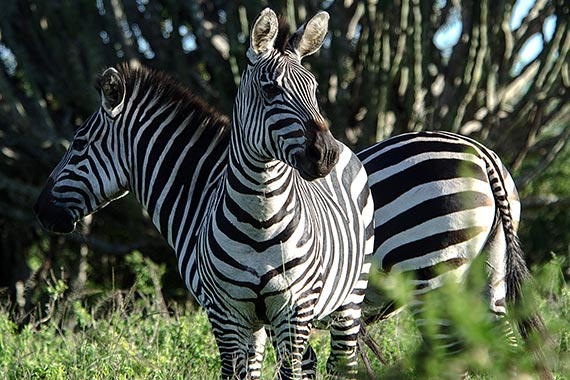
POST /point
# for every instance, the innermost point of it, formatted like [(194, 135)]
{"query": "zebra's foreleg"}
[(291, 340), (256, 350), (234, 342), (344, 328), (309, 364)]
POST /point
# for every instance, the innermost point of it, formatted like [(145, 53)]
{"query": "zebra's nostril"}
[(314, 153)]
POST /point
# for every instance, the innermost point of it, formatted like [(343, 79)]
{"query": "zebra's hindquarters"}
[(434, 208), (442, 200)]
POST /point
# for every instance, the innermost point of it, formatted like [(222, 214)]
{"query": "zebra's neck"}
[(258, 191), (176, 157)]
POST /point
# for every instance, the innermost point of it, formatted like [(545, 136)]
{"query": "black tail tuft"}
[(517, 272)]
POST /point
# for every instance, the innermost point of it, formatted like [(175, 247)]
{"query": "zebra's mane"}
[(283, 34), (167, 88)]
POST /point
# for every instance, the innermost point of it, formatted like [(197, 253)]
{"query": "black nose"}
[(315, 153), (52, 216), (321, 152)]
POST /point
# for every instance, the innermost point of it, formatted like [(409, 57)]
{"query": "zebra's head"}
[(276, 111), (89, 175)]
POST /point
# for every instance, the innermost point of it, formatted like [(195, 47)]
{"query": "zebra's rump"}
[(433, 203)]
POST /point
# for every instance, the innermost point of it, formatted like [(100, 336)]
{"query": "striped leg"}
[(255, 353), (309, 363), (234, 342), (440, 341), (344, 328), (437, 333), (291, 341)]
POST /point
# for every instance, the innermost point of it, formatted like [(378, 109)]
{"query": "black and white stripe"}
[(441, 200)]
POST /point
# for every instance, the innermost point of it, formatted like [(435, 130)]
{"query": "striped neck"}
[(176, 153), (261, 189)]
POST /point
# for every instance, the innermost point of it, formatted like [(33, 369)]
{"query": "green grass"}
[(126, 335)]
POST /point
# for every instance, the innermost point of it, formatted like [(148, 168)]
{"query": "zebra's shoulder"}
[(347, 157), (350, 169)]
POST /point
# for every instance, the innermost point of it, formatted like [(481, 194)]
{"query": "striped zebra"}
[(285, 239), (272, 223), (441, 200)]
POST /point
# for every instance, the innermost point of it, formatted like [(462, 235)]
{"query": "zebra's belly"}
[(258, 285)]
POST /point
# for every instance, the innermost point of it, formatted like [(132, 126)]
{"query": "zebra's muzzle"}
[(319, 156), (52, 216)]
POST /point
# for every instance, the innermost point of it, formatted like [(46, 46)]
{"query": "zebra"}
[(286, 237), (270, 217), (442, 200), (172, 198)]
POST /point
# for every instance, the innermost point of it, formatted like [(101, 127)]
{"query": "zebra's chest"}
[(260, 267)]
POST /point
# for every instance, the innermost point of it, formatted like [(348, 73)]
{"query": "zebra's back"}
[(434, 203)]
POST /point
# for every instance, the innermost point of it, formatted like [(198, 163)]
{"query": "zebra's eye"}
[(79, 144), (271, 90)]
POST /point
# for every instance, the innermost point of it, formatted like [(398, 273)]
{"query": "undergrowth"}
[(133, 334)]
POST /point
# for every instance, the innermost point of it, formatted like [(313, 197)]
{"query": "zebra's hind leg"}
[(344, 328), (440, 342)]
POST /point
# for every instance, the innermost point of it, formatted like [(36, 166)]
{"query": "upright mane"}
[(283, 34), (170, 90)]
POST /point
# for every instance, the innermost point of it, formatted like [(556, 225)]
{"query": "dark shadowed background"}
[(497, 71)]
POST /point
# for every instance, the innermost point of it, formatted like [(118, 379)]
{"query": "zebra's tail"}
[(530, 324)]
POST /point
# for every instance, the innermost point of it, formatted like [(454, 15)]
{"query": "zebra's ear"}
[(263, 34), (310, 36), (113, 91)]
